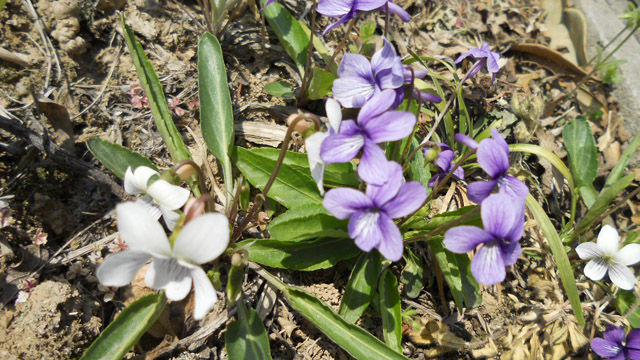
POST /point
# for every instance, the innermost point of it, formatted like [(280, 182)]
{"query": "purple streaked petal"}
[(368, 5), (492, 62), (352, 91), (476, 68), (513, 187), (344, 202), (373, 164), (462, 57), (487, 265), (462, 239), (633, 354), (341, 148), (364, 228), (497, 137), (378, 104), (614, 334), (466, 141), (402, 13), (409, 199), (444, 160), (485, 47), (391, 244), (390, 126), (355, 65), (502, 217), (606, 348), (596, 268), (429, 97), (492, 158), (479, 190), (511, 252), (381, 194), (335, 8), (458, 173), (384, 58), (436, 178), (479, 53)]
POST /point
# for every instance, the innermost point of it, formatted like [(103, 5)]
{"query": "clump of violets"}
[(485, 57), (493, 157), (349, 9), (613, 346), (503, 226), (371, 213), (360, 79), (160, 198), (375, 125), (606, 256), (174, 266), (444, 163)]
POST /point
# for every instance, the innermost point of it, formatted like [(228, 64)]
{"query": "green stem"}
[(341, 45), (301, 98), (444, 227)]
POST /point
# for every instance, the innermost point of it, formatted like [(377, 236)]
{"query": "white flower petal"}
[(141, 231), (169, 275), (136, 182), (313, 145), (131, 185), (608, 240), (168, 195), (628, 255), (317, 173), (203, 239), (120, 268), (622, 276), (152, 207), (206, 296), (589, 250), (596, 269), (334, 113), (170, 217)]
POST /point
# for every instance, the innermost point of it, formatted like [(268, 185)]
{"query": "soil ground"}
[(57, 219)]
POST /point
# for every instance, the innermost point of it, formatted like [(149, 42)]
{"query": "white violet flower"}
[(606, 256), (161, 197), (314, 143), (172, 268)]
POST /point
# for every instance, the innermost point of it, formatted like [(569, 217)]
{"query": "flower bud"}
[(185, 172), (301, 126), (431, 154), (194, 208), (236, 259)]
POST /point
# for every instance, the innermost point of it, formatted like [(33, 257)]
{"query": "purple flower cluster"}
[(445, 164), (349, 9), (613, 346), (485, 57), (502, 213)]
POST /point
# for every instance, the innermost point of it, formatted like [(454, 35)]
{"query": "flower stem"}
[(301, 98), (444, 227), (201, 179), (341, 45), (262, 196)]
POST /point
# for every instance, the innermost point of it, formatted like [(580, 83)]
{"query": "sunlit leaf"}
[(117, 158)]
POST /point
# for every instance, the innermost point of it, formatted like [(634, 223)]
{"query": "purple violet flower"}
[(418, 74), (503, 222), (346, 9), (372, 213), (445, 164), (611, 345), (360, 79), (375, 125), (396, 9), (493, 157), (485, 57)]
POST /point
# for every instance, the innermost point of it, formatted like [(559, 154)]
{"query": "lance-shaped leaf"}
[(117, 158), (456, 270), (307, 221), (157, 102), (361, 286), (412, 274), (307, 255), (246, 338), (583, 154), (216, 110), (127, 328), (390, 310)]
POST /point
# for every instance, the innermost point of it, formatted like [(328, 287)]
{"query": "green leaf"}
[(618, 171), (625, 302), (391, 310), (320, 85), (337, 175), (412, 274), (601, 204), (583, 154), (361, 286), (559, 255), (289, 31), (367, 31), (291, 187), (418, 171), (216, 112), (234, 284), (125, 331), (456, 270), (353, 339), (157, 102), (3, 3), (308, 255), (117, 158), (418, 222), (307, 221), (280, 89), (246, 338), (589, 194)]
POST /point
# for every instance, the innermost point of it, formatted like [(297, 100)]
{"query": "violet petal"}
[(487, 265), (391, 244), (390, 126), (344, 202), (409, 199), (479, 190), (465, 238), (373, 165)]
